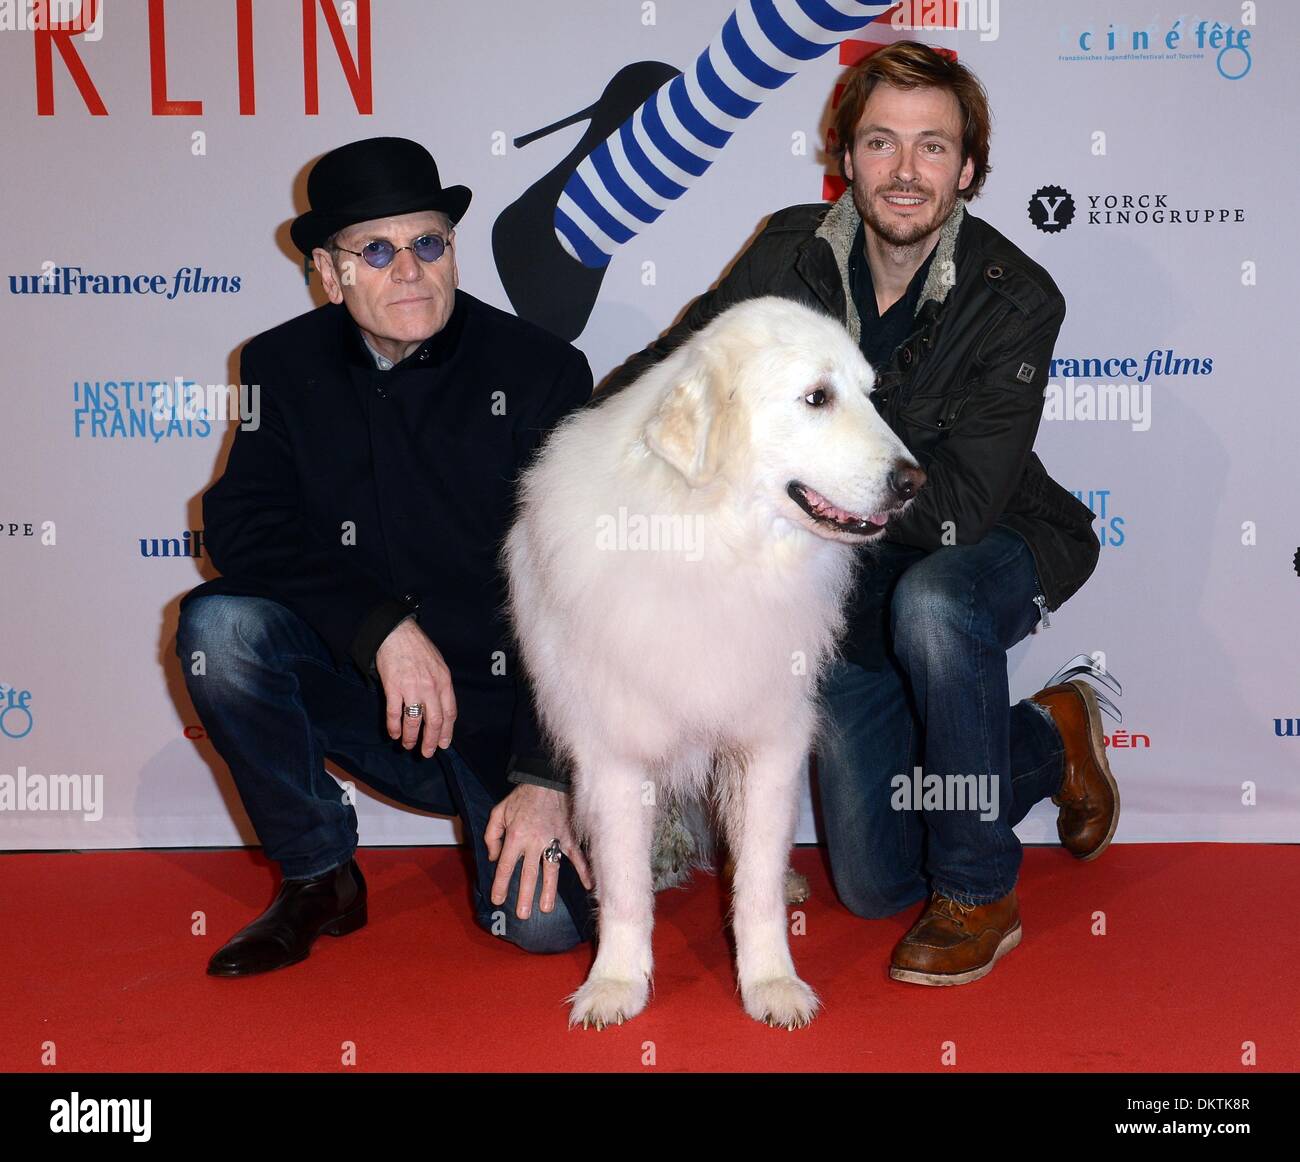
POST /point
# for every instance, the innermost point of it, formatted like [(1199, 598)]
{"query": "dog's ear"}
[(686, 429)]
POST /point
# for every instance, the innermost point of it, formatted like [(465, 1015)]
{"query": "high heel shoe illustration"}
[(545, 284)]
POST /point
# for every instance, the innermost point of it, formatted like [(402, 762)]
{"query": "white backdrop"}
[(1193, 603)]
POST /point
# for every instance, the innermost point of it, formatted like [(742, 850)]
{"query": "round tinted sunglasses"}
[(380, 252)]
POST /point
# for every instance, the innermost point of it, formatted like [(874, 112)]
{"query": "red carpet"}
[(1200, 956)]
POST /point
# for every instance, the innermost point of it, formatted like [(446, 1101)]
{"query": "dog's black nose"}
[(906, 480)]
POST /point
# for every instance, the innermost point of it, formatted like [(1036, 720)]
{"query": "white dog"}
[(677, 573)]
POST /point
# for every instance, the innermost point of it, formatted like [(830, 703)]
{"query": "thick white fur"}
[(690, 670)]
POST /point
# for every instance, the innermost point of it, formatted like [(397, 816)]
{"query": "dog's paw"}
[(784, 1002), (607, 1001)]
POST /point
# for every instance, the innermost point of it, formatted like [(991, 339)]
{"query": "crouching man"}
[(359, 613)]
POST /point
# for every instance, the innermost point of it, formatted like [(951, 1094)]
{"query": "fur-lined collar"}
[(840, 227)]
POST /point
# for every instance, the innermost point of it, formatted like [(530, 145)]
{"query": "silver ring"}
[(553, 854), (415, 710)]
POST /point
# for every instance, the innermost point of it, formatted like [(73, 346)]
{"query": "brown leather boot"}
[(1089, 796), (955, 943)]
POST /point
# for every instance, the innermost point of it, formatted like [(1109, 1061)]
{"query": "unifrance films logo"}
[(1117, 388), (189, 544), (73, 280), (1222, 43)]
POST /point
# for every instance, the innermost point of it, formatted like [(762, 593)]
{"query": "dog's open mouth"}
[(831, 515)]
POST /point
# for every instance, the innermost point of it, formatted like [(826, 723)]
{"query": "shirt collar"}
[(861, 282), (381, 361)]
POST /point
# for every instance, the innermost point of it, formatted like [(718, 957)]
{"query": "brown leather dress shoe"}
[(332, 904), (1089, 796), (955, 943)]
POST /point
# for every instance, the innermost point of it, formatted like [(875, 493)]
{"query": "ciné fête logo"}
[(1190, 39)]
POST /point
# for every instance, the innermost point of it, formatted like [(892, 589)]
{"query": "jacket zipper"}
[(1041, 602)]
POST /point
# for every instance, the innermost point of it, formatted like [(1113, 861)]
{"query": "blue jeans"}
[(276, 706), (939, 701)]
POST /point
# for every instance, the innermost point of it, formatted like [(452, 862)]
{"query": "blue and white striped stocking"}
[(638, 172)]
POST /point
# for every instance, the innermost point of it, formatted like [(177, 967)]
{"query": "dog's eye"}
[(816, 397)]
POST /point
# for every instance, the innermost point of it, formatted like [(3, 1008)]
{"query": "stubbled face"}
[(399, 306), (827, 460), (905, 164)]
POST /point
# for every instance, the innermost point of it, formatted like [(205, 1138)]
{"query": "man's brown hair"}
[(908, 65)]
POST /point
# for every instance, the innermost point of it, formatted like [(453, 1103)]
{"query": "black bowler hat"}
[(379, 177)]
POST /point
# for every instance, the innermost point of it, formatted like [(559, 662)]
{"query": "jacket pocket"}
[(929, 418)]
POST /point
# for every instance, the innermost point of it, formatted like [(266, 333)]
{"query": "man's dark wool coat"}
[(366, 495)]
